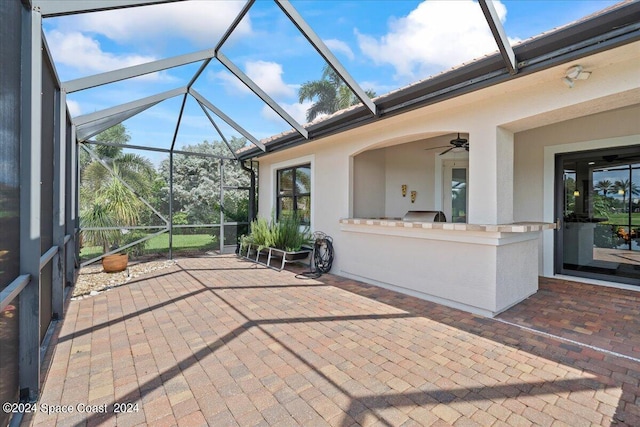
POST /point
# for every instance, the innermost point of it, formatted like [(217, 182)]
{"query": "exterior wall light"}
[(413, 196), (575, 73), (404, 190)]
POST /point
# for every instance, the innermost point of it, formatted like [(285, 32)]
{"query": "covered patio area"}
[(221, 341)]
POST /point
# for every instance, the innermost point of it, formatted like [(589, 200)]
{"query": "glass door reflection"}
[(601, 215), (455, 194)]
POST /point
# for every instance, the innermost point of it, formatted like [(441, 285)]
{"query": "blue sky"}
[(383, 44)]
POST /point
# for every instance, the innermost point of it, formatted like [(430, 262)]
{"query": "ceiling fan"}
[(457, 143)]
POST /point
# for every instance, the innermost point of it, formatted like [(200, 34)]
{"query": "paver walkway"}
[(223, 342)]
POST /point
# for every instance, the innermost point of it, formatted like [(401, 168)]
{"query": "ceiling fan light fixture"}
[(456, 145)]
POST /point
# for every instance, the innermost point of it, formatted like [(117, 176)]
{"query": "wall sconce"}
[(413, 196), (575, 73), (404, 190), (576, 193)]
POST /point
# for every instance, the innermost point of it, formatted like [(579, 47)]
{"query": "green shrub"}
[(287, 234), (261, 233), (137, 249), (604, 236), (180, 218)]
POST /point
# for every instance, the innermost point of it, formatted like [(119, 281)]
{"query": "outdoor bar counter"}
[(483, 269)]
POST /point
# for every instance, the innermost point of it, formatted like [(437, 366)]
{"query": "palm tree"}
[(605, 186), (134, 169), (625, 186), (105, 201), (98, 216), (330, 93)]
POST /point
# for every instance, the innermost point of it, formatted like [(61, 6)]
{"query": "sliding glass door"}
[(598, 208)]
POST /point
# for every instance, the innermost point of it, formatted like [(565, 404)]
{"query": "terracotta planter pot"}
[(115, 263)]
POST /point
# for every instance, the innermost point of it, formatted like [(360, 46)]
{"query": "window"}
[(294, 192)]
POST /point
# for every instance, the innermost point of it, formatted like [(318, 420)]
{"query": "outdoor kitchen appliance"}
[(424, 216)]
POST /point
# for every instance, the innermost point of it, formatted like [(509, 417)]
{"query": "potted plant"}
[(115, 206), (287, 236), (290, 236), (261, 234), (98, 219), (105, 200)]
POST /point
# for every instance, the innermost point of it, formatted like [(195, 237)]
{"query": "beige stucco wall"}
[(474, 272), (413, 165), (529, 151), (378, 176), (511, 128), (535, 150), (369, 182)]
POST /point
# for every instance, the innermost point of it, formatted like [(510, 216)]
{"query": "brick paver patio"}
[(223, 342)]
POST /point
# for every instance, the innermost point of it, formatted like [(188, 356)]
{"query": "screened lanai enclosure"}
[(76, 187), (155, 155), (193, 202)]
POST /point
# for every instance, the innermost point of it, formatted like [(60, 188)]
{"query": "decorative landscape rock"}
[(92, 279)]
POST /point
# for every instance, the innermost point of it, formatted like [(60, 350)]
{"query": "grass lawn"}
[(623, 219), (160, 244)]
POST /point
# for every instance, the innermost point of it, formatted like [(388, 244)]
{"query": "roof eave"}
[(608, 30)]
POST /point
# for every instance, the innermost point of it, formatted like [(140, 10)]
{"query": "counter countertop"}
[(516, 227)]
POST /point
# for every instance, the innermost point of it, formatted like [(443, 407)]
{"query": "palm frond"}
[(98, 216), (121, 203), (94, 176), (330, 94)]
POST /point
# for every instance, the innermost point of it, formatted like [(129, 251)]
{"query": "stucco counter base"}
[(483, 269)]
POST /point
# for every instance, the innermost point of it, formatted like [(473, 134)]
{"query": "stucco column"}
[(490, 175)]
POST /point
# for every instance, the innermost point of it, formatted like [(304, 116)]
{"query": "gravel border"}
[(92, 280)]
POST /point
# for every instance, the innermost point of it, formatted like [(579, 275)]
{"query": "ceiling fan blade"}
[(446, 151)]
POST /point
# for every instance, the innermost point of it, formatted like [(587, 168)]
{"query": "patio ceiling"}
[(499, 67)]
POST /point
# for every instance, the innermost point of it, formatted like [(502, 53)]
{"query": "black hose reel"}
[(321, 256)]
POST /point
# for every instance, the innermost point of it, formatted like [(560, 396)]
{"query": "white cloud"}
[(201, 22), (268, 75), (232, 84), (296, 110), (435, 36), (74, 108), (83, 53), (339, 46)]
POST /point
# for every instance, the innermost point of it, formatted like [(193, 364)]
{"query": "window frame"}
[(295, 195)]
